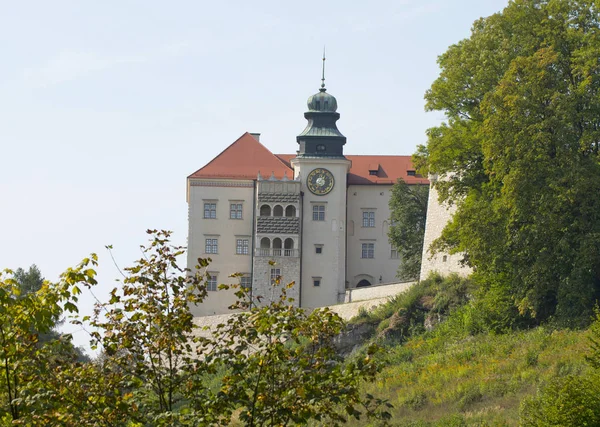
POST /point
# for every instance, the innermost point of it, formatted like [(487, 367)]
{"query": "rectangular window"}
[(235, 211), (394, 253), (368, 250), (210, 210), (211, 283), (241, 246), (275, 275), (318, 249), (318, 212), (246, 281), (368, 219), (211, 246), (316, 281)]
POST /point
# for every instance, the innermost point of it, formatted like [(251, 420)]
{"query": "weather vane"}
[(323, 76)]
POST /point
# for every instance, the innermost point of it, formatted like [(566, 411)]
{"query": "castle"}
[(319, 217)]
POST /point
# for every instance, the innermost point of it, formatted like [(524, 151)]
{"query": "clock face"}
[(320, 181)]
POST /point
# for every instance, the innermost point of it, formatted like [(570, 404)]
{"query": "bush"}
[(573, 400)]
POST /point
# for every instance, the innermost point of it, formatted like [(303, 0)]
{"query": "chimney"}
[(255, 135)]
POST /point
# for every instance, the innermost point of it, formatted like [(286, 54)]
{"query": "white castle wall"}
[(438, 216)]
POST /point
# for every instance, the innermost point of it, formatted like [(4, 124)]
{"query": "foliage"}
[(25, 361), (284, 368), (29, 281), (408, 211), (271, 364), (519, 154), (430, 300), (570, 400)]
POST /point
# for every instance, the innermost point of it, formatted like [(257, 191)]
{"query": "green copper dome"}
[(322, 102)]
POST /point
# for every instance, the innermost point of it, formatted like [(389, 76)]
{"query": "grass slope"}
[(451, 376)]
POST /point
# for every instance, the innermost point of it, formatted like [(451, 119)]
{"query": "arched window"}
[(290, 211), (265, 210), (363, 283), (278, 210), (276, 246), (288, 246), (265, 247)]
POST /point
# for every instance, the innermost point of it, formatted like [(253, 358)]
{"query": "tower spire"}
[(323, 75)]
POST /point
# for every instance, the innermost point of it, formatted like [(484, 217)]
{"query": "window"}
[(318, 212), (265, 210), (275, 275), (368, 250), (241, 246), (318, 249), (246, 281), (411, 173), (210, 210), (394, 254), (368, 219), (320, 147), (211, 246), (316, 281), (235, 211), (211, 283), (373, 173), (445, 258)]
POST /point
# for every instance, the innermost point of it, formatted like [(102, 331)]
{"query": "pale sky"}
[(106, 107)]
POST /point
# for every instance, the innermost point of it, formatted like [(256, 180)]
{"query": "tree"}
[(25, 362), (519, 154), (408, 212), (270, 364), (29, 281), (283, 367)]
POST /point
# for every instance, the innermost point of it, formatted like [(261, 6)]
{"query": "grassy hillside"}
[(455, 374)]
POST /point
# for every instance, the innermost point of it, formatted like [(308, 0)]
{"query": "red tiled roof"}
[(246, 157), (389, 169)]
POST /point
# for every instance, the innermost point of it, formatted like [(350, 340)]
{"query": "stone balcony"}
[(276, 253)]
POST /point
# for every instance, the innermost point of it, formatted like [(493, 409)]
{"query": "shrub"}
[(573, 400)]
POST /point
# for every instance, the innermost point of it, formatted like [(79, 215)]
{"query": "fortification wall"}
[(438, 215), (378, 295)]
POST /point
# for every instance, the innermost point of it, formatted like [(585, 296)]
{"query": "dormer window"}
[(411, 173), (374, 169)]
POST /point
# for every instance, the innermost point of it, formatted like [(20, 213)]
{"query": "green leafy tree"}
[(271, 364), (283, 367), (519, 154), (29, 281), (25, 362), (408, 212)]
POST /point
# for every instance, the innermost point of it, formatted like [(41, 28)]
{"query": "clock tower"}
[(322, 169)]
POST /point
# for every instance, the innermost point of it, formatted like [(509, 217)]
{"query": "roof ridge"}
[(356, 155), (231, 145)]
